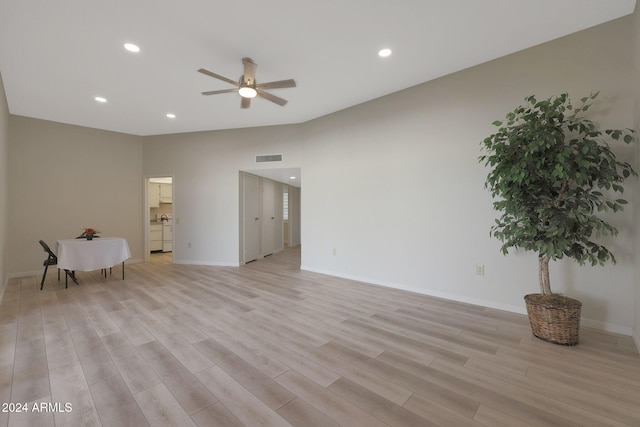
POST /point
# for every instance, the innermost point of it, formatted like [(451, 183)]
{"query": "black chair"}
[(52, 259)]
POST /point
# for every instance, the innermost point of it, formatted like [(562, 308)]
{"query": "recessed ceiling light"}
[(131, 47), (171, 115), (384, 52), (292, 177), (100, 99)]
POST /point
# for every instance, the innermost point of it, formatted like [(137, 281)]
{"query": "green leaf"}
[(545, 172)]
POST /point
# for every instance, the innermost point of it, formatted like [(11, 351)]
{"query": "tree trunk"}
[(543, 275)]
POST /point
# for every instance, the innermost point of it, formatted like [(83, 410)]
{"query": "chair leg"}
[(44, 275), (72, 274), (58, 275)]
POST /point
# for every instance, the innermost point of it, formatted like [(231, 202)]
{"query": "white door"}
[(251, 217), (268, 216)]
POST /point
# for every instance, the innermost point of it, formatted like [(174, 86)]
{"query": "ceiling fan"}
[(247, 87)]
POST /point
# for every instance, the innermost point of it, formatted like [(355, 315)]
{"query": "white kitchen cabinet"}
[(155, 237), (154, 195), (167, 237), (166, 193)]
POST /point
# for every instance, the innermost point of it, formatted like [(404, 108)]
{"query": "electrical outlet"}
[(480, 269)]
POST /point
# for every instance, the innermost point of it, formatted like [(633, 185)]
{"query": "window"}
[(285, 206)]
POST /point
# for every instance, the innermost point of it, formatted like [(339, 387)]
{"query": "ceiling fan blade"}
[(249, 77), (215, 92), (281, 102), (245, 103), (217, 76), (277, 85)]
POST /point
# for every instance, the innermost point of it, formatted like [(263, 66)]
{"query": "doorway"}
[(160, 197), (263, 226)]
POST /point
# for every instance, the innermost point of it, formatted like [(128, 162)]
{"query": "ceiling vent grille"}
[(269, 158)]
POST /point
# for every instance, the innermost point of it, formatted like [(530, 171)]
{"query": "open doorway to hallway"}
[(266, 223)]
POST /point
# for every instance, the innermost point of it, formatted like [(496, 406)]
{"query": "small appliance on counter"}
[(164, 218)]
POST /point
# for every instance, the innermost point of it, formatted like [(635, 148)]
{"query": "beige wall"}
[(65, 178), (205, 166), (4, 185)]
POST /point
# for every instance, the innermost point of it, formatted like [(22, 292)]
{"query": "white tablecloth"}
[(89, 255)]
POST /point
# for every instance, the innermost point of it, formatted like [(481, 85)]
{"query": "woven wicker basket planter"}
[(554, 318)]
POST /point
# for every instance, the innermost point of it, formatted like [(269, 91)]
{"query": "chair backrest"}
[(52, 256)]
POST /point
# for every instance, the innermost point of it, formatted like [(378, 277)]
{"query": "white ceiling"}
[(56, 56)]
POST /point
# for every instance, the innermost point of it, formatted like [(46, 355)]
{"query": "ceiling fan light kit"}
[(247, 92), (247, 87)]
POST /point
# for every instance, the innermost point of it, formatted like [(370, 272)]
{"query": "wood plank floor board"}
[(8, 335), (572, 363), (33, 418), (272, 347), (30, 371), (286, 327), (244, 348), (216, 415), (321, 398), (374, 404), (101, 320), (441, 415), (241, 402), (134, 369), (184, 323), (607, 403), (69, 387), (540, 406), (625, 395), (385, 367), (183, 385), (180, 348), (115, 403), (269, 344), (299, 413), (261, 385), (487, 416), (131, 327), (458, 343), (160, 408), (396, 340), (354, 371), (468, 392), (6, 373)]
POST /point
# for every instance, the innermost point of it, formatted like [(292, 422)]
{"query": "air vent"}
[(269, 158)]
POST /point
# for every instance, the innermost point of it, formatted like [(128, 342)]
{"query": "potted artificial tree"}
[(553, 173)]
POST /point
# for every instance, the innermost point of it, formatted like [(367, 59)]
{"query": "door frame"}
[(147, 212)]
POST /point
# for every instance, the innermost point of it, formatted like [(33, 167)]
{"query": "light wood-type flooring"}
[(269, 345)]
